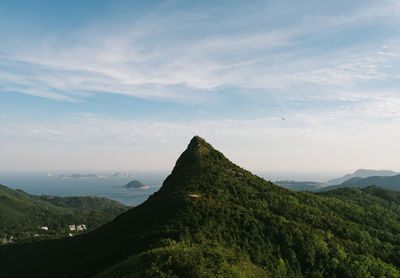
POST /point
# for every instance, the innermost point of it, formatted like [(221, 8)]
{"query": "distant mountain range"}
[(79, 176), (388, 182), (360, 178), (91, 176), (120, 175), (362, 173)]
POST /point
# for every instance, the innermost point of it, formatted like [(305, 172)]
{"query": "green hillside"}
[(212, 218), (86, 203), (22, 215)]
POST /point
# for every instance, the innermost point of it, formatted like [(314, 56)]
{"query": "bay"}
[(80, 184)]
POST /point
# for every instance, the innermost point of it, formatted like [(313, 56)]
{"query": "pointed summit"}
[(199, 145), (197, 169), (197, 141), (197, 153)]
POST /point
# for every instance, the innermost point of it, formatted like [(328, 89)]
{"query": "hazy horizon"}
[(161, 175)]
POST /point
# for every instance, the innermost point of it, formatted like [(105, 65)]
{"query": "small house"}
[(81, 227)]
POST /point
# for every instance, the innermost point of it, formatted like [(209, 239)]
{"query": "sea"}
[(101, 184)]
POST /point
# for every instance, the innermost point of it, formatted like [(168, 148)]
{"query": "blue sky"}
[(125, 84)]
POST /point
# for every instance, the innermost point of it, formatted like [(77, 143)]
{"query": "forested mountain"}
[(389, 182), (22, 215), (212, 218)]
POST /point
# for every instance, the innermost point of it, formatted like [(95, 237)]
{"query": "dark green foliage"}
[(81, 204), (185, 260), (22, 215), (212, 218)]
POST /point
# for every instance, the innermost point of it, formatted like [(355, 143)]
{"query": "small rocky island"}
[(135, 184)]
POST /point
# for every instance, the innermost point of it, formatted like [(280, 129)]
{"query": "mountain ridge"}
[(388, 182), (361, 173)]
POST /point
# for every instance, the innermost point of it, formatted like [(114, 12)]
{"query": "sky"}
[(277, 86)]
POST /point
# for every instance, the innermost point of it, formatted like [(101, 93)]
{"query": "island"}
[(135, 184)]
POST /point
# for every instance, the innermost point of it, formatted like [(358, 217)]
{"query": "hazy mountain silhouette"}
[(361, 173)]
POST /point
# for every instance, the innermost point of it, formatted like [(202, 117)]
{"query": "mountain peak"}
[(197, 151), (197, 139), (198, 144), (194, 164)]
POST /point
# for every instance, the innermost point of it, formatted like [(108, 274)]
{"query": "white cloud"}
[(351, 136), (166, 59), (146, 59)]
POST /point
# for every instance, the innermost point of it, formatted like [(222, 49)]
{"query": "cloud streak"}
[(333, 74), (145, 59), (354, 130)]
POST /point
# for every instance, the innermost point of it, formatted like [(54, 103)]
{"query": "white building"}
[(81, 227)]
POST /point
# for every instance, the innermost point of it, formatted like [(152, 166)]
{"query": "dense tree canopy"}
[(22, 215)]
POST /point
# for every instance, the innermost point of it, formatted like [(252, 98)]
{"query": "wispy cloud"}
[(333, 74), (145, 58), (352, 131)]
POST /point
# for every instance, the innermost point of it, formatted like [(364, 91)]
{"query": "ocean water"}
[(103, 186)]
